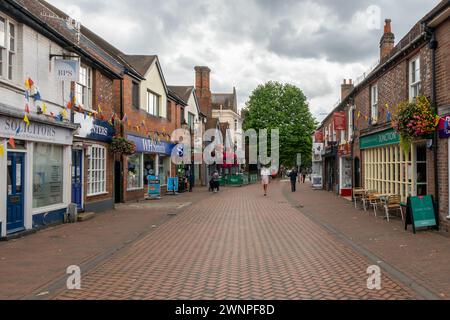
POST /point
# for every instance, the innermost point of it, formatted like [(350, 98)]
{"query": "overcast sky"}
[(313, 44)]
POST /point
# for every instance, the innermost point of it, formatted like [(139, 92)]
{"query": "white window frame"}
[(8, 62), (97, 171), (374, 103), (153, 104), (388, 171), (414, 78), (83, 88)]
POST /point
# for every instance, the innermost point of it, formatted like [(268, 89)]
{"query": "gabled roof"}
[(226, 100), (185, 92), (141, 63), (45, 17)]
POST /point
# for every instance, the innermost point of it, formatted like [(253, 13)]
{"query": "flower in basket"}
[(414, 120), (122, 146)]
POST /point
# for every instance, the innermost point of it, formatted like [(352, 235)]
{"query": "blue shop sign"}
[(94, 129), (146, 145)]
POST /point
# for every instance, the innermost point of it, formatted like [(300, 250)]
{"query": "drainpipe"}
[(433, 44)]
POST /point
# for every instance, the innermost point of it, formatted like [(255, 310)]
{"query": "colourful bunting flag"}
[(44, 108), (125, 118), (2, 150), (12, 143), (27, 108), (25, 119), (446, 124)]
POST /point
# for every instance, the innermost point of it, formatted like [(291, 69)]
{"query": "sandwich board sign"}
[(420, 212), (154, 187)]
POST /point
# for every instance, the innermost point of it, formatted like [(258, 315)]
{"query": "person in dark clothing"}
[(293, 175)]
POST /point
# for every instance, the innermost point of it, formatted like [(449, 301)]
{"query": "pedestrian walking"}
[(304, 175), (214, 182), (293, 175), (265, 174)]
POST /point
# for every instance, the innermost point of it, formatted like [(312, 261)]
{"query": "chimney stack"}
[(346, 88), (387, 41), (203, 89)]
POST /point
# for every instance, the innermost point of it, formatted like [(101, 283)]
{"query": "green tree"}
[(283, 106)]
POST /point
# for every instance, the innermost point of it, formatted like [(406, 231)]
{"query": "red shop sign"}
[(318, 136), (340, 121)]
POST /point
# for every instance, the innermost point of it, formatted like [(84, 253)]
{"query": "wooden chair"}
[(358, 194), (365, 198), (374, 201), (393, 203)]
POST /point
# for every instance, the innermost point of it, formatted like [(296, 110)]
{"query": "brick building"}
[(45, 113), (417, 65)]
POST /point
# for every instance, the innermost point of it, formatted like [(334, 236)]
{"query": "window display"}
[(47, 175), (135, 177), (149, 166)]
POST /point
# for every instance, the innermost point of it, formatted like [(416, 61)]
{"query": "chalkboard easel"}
[(421, 213)]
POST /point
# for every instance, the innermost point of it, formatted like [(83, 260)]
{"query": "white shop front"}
[(36, 164)]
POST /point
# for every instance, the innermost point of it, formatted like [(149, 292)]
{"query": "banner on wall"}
[(444, 127), (340, 121)]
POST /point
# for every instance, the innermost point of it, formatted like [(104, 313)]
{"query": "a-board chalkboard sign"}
[(421, 213)]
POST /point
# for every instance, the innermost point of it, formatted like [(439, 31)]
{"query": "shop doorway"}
[(77, 178), (357, 173), (117, 182), (15, 221)]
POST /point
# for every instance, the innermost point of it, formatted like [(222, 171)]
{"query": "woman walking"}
[(265, 173)]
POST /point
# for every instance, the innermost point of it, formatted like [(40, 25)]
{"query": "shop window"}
[(149, 166), (96, 179), (388, 171), (83, 88), (135, 176), (47, 175), (421, 169), (164, 169), (414, 78)]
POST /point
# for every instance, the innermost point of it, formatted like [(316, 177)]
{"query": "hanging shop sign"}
[(379, 139), (146, 145), (420, 213), (344, 149), (93, 129), (318, 136), (67, 70), (340, 121), (444, 127), (17, 129)]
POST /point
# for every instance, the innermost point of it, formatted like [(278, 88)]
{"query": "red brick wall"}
[(103, 95), (443, 102), (153, 124), (443, 64)]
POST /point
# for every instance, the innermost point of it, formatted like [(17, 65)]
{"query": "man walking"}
[(293, 175)]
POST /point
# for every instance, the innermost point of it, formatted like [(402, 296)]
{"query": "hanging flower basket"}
[(122, 146), (414, 120)]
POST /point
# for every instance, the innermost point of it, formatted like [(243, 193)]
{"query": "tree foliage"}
[(283, 106)]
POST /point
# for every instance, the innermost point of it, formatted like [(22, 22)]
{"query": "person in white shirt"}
[(265, 174)]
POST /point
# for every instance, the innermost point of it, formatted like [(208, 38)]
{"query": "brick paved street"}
[(237, 245)]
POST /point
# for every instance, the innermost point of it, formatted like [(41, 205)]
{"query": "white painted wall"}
[(155, 84), (32, 60), (32, 57)]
